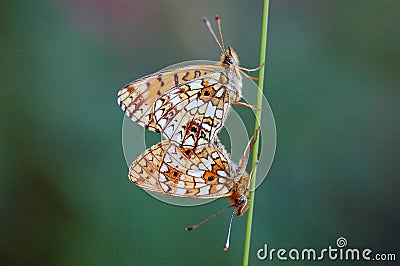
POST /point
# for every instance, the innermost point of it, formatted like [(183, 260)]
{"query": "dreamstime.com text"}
[(339, 252)]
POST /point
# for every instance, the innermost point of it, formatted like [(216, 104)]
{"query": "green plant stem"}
[(246, 251)]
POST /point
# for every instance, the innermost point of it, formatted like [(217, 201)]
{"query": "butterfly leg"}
[(252, 69), (242, 69), (248, 76), (249, 147), (246, 104)]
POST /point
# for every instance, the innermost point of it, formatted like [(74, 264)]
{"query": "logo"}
[(341, 252)]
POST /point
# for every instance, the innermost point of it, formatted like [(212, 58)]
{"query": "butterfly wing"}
[(192, 113), (136, 99), (168, 169)]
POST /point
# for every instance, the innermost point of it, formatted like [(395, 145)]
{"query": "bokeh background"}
[(332, 82)]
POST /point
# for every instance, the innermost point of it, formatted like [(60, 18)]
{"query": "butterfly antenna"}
[(228, 237), (190, 228), (217, 18), (212, 33), (249, 147)]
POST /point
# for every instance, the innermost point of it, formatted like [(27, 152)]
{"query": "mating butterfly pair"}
[(188, 106)]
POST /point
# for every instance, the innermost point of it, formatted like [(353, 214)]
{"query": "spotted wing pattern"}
[(168, 169), (191, 114), (137, 98), (186, 105)]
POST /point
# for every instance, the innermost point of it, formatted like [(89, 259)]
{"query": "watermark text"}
[(338, 252)]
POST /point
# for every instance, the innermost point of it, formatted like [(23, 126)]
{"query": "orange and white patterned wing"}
[(168, 169), (192, 113), (137, 98)]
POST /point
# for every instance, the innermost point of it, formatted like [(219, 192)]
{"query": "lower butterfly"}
[(201, 173), (187, 105)]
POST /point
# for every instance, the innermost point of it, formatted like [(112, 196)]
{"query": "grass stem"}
[(246, 252)]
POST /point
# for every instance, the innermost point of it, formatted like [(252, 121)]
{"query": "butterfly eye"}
[(207, 93), (242, 199), (229, 60)]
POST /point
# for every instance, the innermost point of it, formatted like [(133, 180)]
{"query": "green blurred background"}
[(333, 84)]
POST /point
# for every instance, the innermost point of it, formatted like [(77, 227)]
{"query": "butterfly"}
[(187, 105), (202, 173)]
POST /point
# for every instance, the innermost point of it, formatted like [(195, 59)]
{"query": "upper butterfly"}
[(187, 105)]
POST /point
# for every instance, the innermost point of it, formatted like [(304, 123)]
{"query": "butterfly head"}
[(241, 205), (230, 57), (240, 195)]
